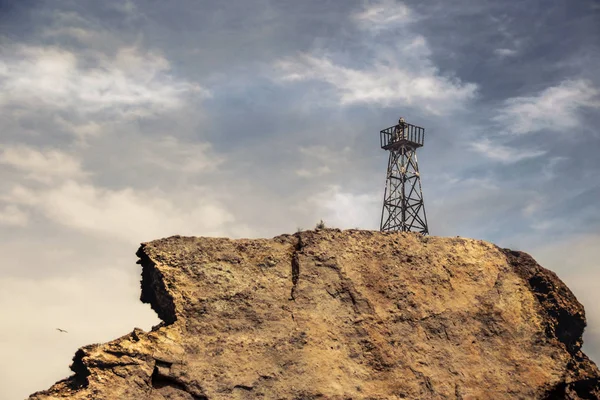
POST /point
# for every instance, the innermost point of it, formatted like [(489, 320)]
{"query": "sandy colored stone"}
[(335, 314)]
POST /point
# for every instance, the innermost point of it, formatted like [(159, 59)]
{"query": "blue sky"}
[(127, 121)]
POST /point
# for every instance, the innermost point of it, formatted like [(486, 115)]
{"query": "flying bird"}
[(61, 330)]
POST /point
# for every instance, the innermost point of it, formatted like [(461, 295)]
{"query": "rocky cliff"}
[(342, 315)]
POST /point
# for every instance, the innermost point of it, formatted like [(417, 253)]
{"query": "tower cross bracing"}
[(403, 206)]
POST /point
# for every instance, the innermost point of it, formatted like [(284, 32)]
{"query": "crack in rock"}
[(296, 265)]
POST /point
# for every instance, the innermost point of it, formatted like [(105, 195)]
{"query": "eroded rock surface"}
[(342, 315)]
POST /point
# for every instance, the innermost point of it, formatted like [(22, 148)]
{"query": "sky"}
[(127, 121)]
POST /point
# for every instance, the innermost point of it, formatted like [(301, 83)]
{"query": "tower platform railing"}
[(403, 206), (402, 134)]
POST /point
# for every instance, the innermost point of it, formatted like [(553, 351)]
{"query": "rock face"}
[(342, 315)]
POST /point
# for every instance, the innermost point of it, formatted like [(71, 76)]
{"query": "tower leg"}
[(403, 206)]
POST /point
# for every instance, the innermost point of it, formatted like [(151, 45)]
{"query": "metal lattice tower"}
[(403, 207)]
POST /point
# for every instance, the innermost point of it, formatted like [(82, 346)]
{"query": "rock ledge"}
[(335, 314)]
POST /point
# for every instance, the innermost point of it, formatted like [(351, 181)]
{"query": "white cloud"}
[(80, 34), (91, 34), (92, 94), (127, 215), (533, 206), (314, 172), (19, 195), (502, 153), (550, 169), (321, 160), (387, 72), (345, 210), (382, 15), (130, 83), (131, 215), (381, 83), (41, 165), (555, 108), (13, 216), (127, 7), (503, 52), (83, 130), (60, 190), (170, 153)]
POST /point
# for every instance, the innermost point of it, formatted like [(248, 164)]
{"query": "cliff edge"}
[(332, 314)]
